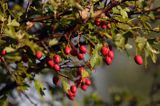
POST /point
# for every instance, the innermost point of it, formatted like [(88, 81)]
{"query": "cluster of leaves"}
[(51, 25)]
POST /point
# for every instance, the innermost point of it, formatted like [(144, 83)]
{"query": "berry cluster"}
[(80, 55), (108, 53), (80, 82), (102, 24)]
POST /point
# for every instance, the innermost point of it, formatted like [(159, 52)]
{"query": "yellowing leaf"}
[(53, 42), (12, 22)]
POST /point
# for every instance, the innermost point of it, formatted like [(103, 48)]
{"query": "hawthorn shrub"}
[(69, 38)]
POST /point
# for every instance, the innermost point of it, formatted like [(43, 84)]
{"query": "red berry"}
[(111, 54), (57, 67), (39, 54), (80, 56), (97, 22), (57, 58), (50, 63), (87, 82), (56, 80), (84, 87), (67, 50), (109, 25), (104, 26), (3, 52), (108, 60), (73, 89), (104, 50), (71, 95), (83, 49), (138, 59)]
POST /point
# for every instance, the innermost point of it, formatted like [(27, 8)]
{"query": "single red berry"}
[(39, 54), (108, 60), (57, 67), (3, 52), (104, 26), (56, 80), (80, 56), (83, 49), (87, 82), (111, 54), (80, 70), (67, 50), (57, 58), (104, 50), (109, 25), (50, 63), (73, 89), (84, 87), (138, 59), (97, 21)]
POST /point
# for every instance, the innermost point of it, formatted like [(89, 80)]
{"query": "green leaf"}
[(123, 26), (85, 74), (96, 58), (65, 84), (140, 43), (119, 40), (12, 22), (123, 13), (39, 87), (52, 42)]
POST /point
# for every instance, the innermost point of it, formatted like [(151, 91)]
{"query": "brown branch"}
[(145, 11)]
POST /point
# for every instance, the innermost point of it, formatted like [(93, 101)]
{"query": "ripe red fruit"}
[(111, 54), (56, 67), (97, 21), (83, 49), (104, 26), (56, 80), (104, 50), (71, 95), (138, 59), (57, 58), (109, 25), (87, 82), (50, 63), (39, 54), (84, 87), (73, 89), (108, 60), (3, 52), (67, 50), (80, 56)]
